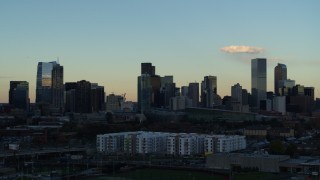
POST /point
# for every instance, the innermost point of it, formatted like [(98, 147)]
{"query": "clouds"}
[(242, 49)]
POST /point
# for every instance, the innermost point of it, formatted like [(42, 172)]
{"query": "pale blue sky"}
[(105, 41)]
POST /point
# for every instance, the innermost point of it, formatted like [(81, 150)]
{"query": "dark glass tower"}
[(97, 98), (70, 89), (83, 97), (258, 80), (57, 87), (19, 94), (144, 93), (193, 93), (147, 68)]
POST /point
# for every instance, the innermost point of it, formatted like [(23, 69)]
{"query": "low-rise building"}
[(258, 161)]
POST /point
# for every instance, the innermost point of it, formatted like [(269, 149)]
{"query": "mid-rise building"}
[(180, 144), (113, 102), (279, 104)]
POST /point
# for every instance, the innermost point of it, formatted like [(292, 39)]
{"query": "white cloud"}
[(242, 49)]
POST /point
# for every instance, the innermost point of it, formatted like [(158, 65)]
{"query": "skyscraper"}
[(147, 68), (193, 93), (57, 87), (236, 93), (184, 90), (19, 94), (44, 82), (280, 74), (83, 97), (97, 98), (209, 91), (144, 93), (70, 88), (258, 80)]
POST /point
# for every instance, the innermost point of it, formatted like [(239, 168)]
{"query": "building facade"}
[(44, 82), (208, 91), (193, 93), (19, 94), (280, 74), (258, 81), (179, 144), (57, 87)]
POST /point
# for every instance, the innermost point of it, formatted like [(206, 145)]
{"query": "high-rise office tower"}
[(184, 90), (44, 82), (70, 88), (147, 68), (167, 90), (208, 91), (258, 80), (83, 97), (57, 87), (19, 94), (148, 87), (144, 93), (236, 93), (155, 82), (280, 74), (97, 98), (193, 93)]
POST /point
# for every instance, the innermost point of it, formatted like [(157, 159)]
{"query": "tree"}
[(277, 147)]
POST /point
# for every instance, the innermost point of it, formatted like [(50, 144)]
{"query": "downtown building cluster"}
[(54, 97), (155, 91), (142, 142)]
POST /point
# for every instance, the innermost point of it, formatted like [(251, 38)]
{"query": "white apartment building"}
[(151, 142), (141, 142), (110, 142), (229, 143), (172, 146)]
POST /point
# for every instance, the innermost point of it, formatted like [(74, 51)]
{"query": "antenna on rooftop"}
[(58, 60)]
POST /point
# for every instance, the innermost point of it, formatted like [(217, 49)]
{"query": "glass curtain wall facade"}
[(258, 80), (44, 82)]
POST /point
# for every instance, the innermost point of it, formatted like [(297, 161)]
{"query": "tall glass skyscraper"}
[(208, 91), (49, 89), (258, 81), (280, 74)]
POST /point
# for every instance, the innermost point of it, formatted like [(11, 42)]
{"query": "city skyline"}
[(105, 42)]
